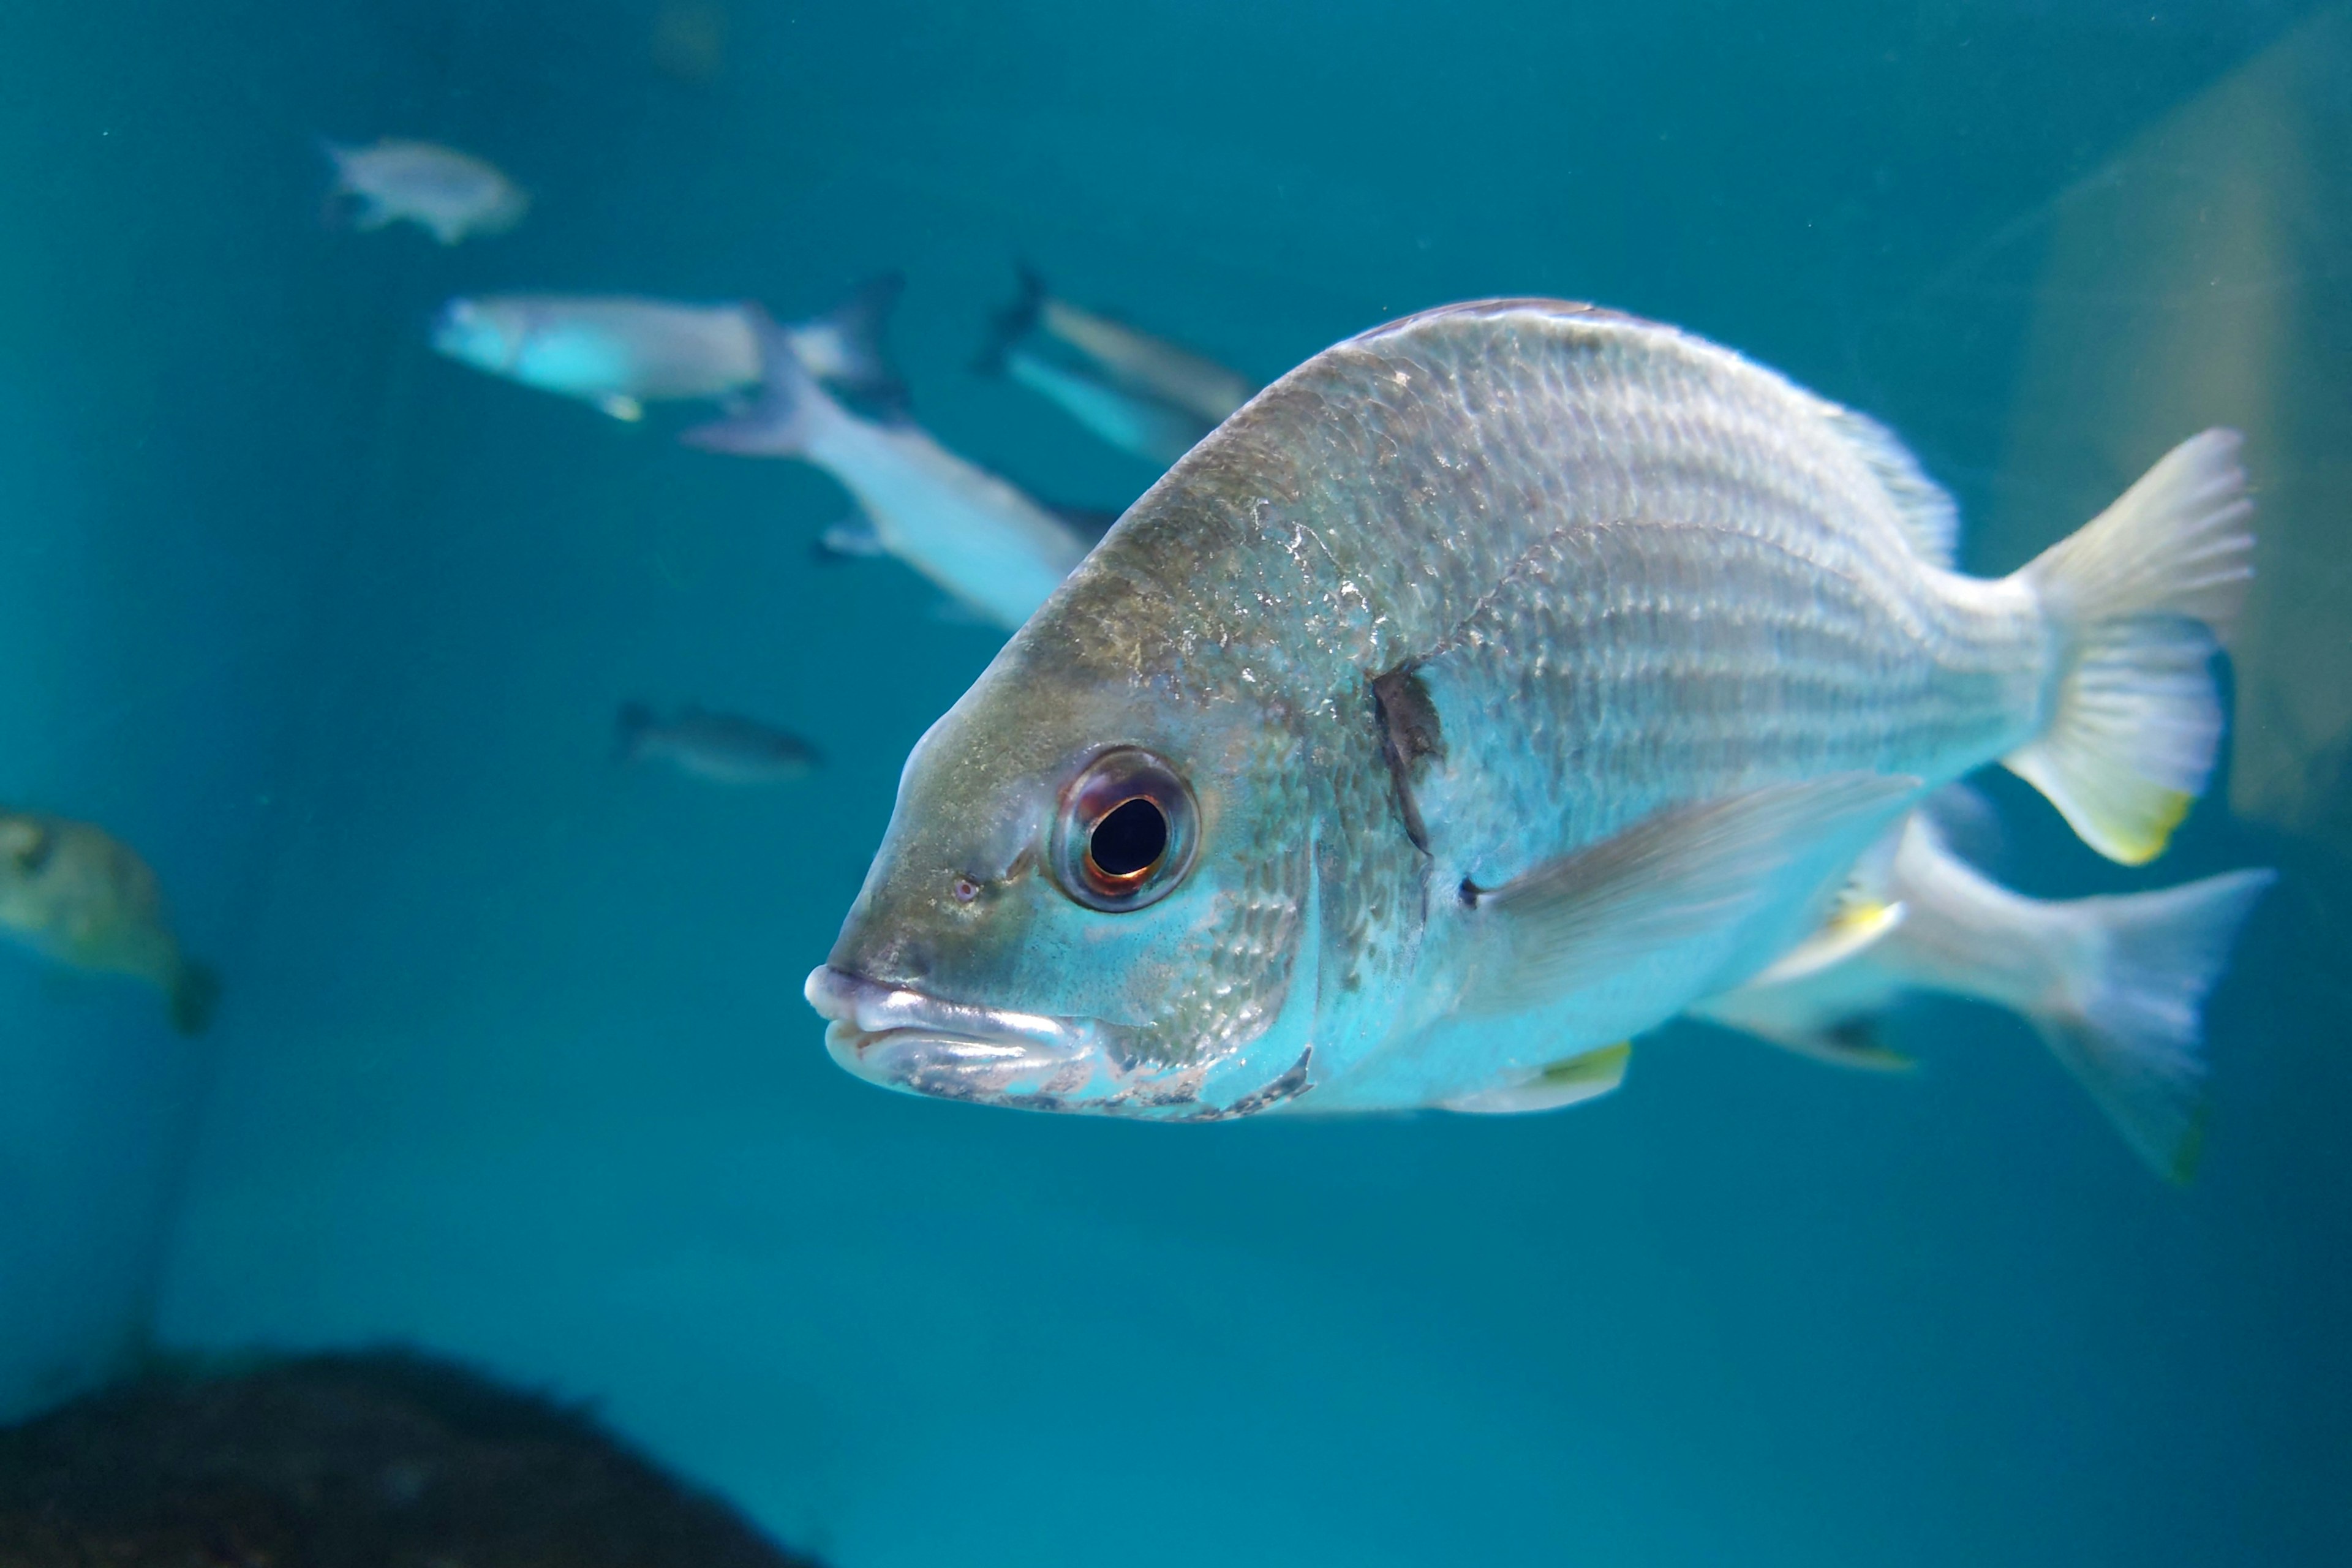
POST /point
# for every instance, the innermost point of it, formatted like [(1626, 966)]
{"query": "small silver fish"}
[(720, 747), (2115, 985), (1493, 688), (1153, 365), (991, 547), (621, 352), (450, 193), (1140, 426), (77, 896)]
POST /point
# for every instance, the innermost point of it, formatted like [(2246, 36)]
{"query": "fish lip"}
[(908, 1039)]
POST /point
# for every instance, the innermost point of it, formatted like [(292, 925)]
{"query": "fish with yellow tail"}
[(75, 894), (2115, 986), (1487, 690)]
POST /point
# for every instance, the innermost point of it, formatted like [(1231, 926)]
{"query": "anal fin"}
[(1579, 1077)]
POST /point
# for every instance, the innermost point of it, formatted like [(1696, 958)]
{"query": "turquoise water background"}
[(513, 1063)]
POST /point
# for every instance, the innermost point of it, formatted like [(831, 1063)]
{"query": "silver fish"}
[(720, 747), (78, 896), (1492, 687), (621, 352), (993, 548), (2115, 986), (448, 193), (1141, 393)]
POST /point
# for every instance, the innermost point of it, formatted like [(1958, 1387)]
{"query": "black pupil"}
[(1129, 839)]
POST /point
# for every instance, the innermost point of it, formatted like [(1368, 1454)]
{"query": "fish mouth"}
[(909, 1040)]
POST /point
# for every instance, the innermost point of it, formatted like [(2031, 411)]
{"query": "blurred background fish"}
[(450, 193), (621, 352), (689, 41), (2115, 986), (993, 548), (76, 895), (1141, 393), (723, 748)]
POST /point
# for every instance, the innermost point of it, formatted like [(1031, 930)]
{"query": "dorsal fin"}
[(1930, 520)]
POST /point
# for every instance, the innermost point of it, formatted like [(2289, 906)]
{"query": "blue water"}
[(513, 1062)]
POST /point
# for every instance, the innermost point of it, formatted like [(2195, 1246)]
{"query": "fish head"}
[(1092, 896), (488, 335)]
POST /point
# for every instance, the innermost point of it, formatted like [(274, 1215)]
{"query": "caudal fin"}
[(2132, 1027), (2145, 594), (1013, 324), (860, 366), (193, 997), (779, 423)]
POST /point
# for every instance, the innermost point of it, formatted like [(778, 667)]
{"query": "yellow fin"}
[(1854, 926), (1585, 1076)]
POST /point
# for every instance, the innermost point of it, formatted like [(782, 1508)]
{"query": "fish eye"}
[(1126, 833)]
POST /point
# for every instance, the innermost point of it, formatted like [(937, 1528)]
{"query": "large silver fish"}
[(2115, 986), (1493, 686), (996, 552)]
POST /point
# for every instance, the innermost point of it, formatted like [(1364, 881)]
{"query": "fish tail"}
[(2144, 593), (1014, 323), (2129, 1020), (629, 728), (193, 995), (859, 323), (782, 420)]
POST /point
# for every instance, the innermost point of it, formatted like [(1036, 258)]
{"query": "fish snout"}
[(919, 1043)]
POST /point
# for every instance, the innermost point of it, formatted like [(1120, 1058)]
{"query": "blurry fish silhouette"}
[(1141, 393), (852, 537), (75, 894), (690, 40), (991, 548), (1138, 425), (621, 352), (2115, 985), (452, 193), (720, 747)]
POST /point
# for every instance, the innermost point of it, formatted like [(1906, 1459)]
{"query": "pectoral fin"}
[(621, 407), (1579, 1077), (1576, 921)]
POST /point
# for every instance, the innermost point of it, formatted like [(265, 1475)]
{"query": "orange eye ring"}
[(1126, 833)]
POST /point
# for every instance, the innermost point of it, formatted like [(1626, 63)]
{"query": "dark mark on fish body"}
[(1410, 732)]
